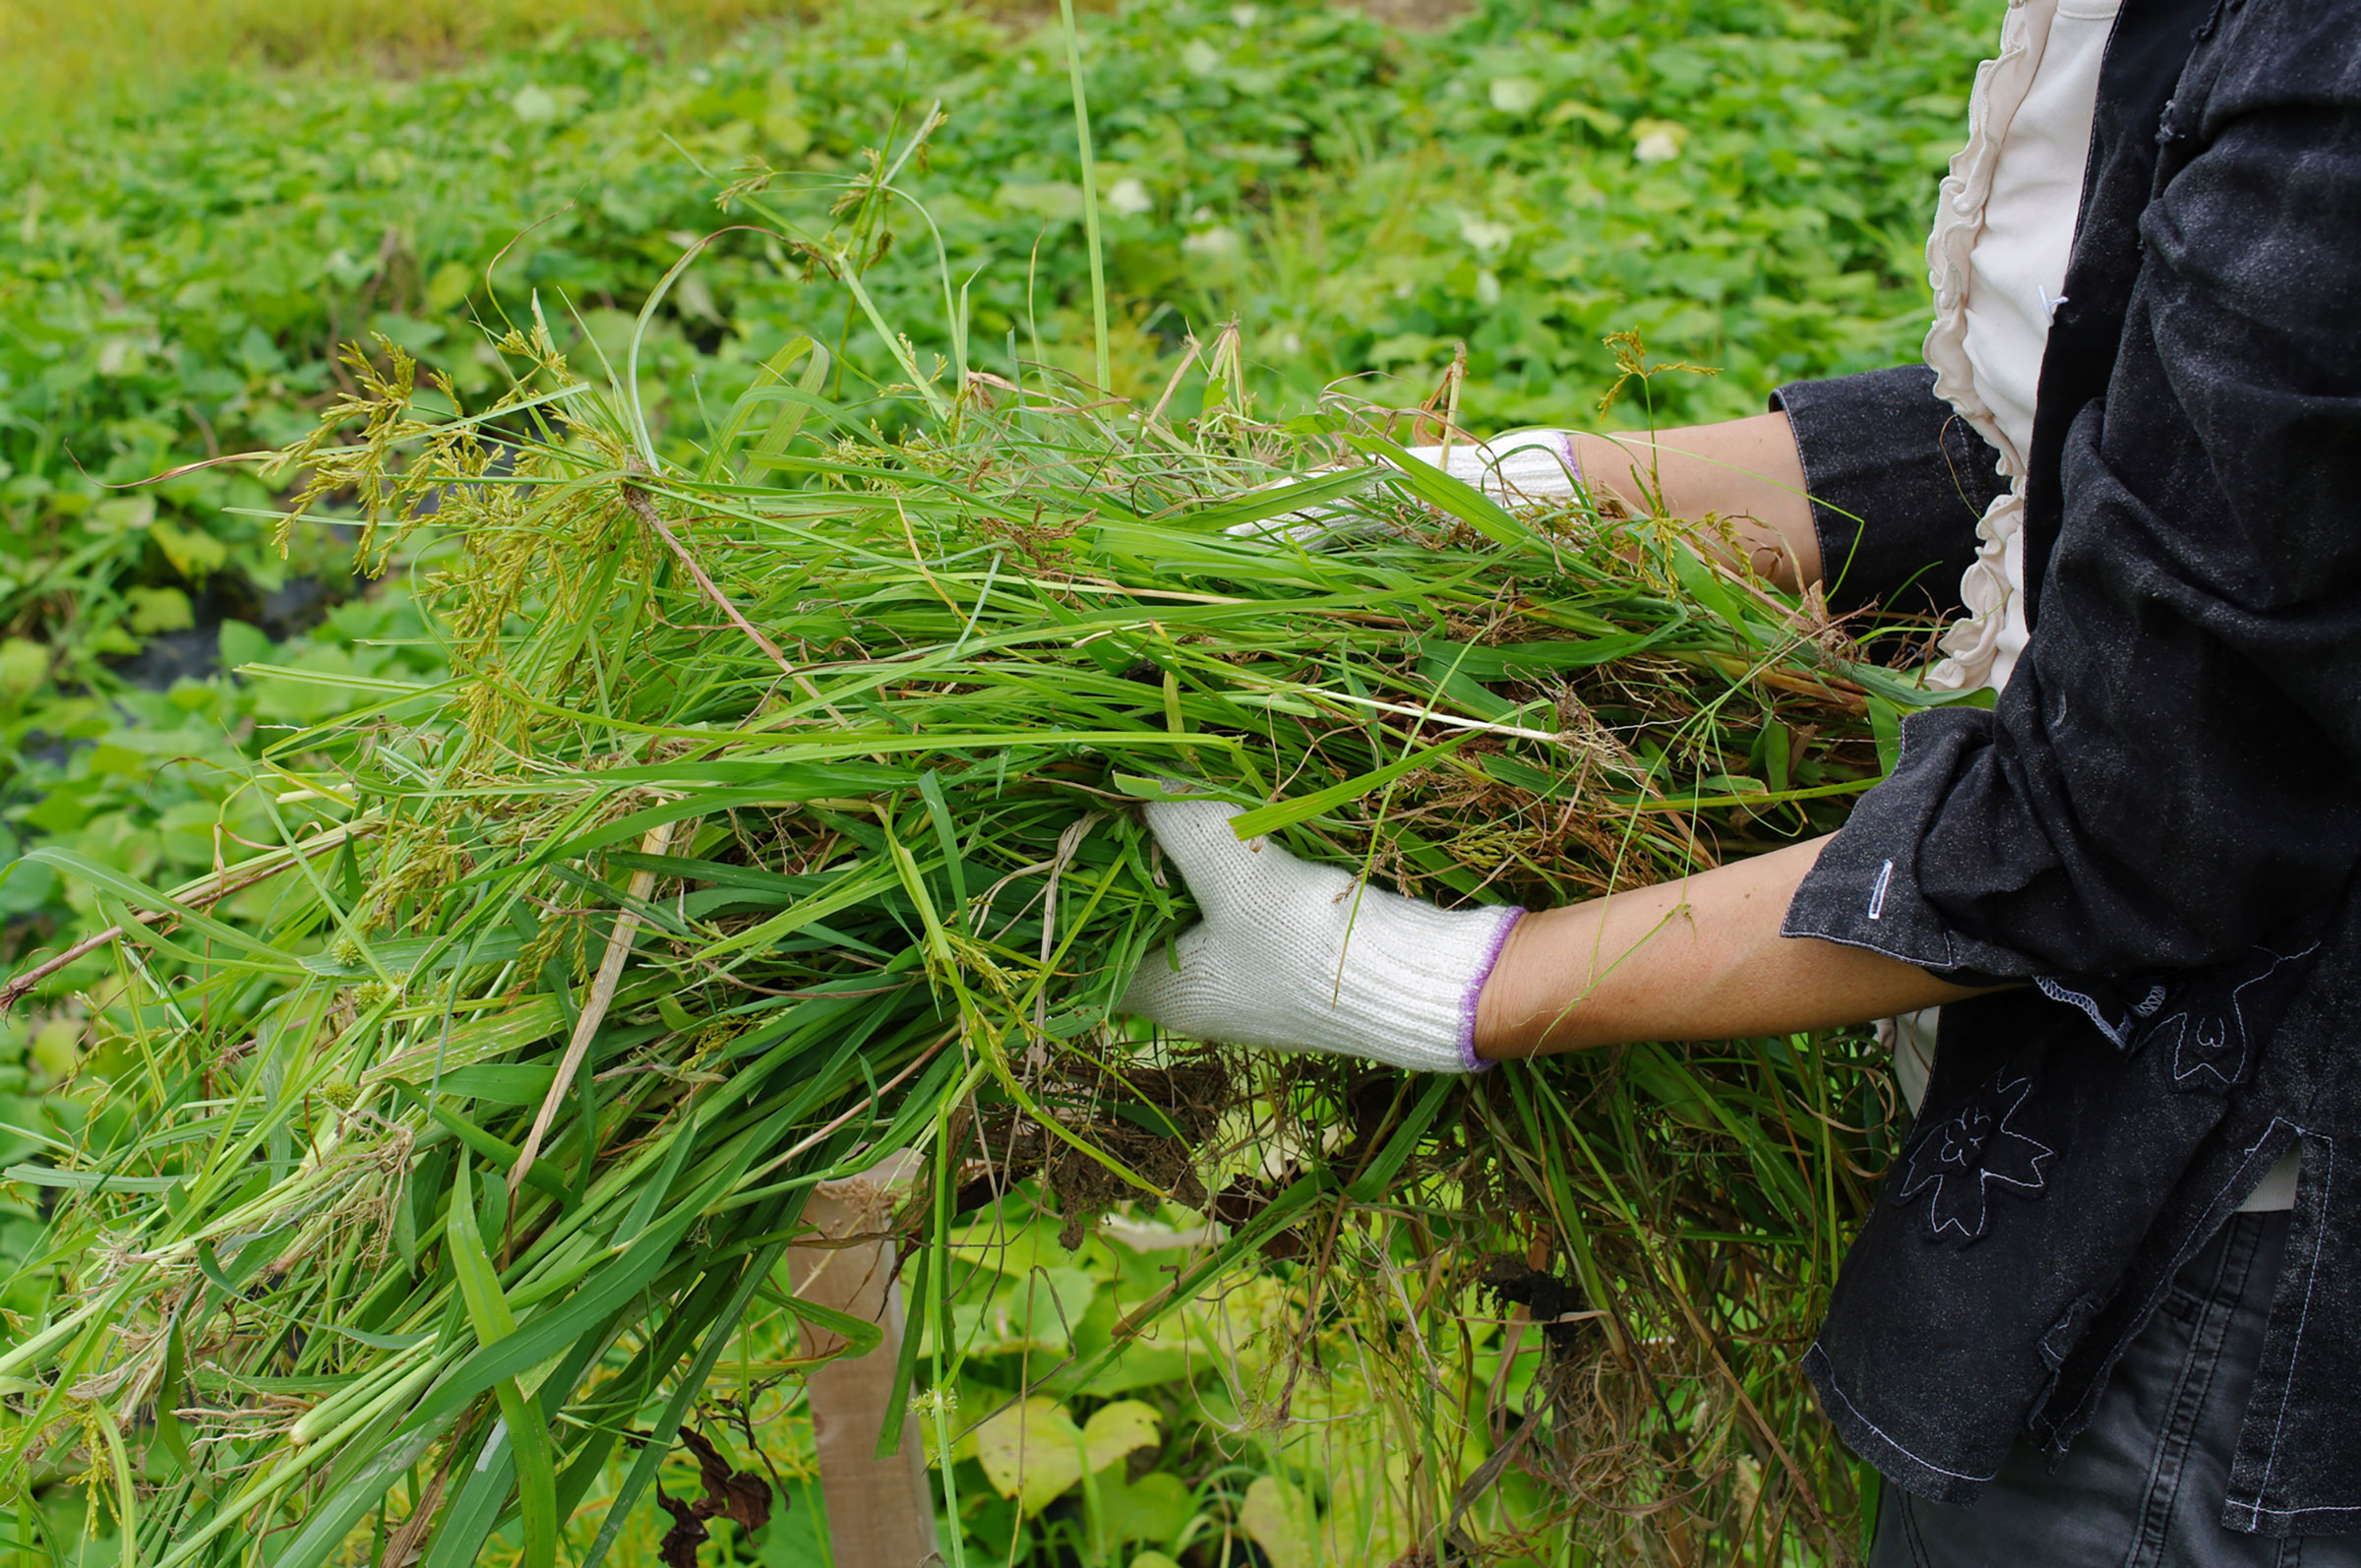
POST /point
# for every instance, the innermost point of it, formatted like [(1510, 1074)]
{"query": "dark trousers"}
[(2142, 1486)]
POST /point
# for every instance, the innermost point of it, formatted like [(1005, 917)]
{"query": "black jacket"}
[(2159, 821)]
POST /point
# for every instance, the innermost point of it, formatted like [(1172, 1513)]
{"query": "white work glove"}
[(1527, 466), (1294, 957)]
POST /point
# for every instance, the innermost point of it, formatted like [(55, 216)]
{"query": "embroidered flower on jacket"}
[(1958, 1161), (2213, 1037), (2209, 1021)]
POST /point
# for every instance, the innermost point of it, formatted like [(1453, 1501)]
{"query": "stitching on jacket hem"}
[(1829, 1376), (2256, 1510), (2295, 1351), (1867, 946)]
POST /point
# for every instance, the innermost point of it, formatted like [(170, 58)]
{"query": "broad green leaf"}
[(1115, 1430), (1280, 1521), (1031, 1452), (1156, 1507)]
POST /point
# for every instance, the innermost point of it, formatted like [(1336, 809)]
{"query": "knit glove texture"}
[(1531, 465), (1292, 956)]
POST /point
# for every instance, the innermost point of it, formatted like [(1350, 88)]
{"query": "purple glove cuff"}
[(1483, 973)]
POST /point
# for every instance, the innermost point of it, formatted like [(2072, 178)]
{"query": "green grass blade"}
[(1286, 814)]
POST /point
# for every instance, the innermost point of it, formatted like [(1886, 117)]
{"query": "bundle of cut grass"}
[(778, 816)]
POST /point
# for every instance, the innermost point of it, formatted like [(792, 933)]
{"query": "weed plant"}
[(774, 814)]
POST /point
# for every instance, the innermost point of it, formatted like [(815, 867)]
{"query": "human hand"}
[(1533, 466), (1292, 956)]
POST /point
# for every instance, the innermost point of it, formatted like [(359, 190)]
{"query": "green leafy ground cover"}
[(1745, 184)]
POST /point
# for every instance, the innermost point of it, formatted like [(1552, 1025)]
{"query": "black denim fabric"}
[(1883, 447), (2158, 822), (2142, 1486)]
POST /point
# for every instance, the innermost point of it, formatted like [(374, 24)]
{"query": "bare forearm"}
[(1743, 471), (1697, 959)]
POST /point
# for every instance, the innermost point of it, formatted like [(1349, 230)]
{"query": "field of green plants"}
[(1743, 183)]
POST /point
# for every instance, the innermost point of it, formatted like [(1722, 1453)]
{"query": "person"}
[(2108, 1305)]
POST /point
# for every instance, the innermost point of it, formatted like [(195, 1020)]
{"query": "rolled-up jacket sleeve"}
[(1897, 482), (2174, 771)]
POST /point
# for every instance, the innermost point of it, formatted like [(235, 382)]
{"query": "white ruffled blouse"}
[(2004, 225)]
